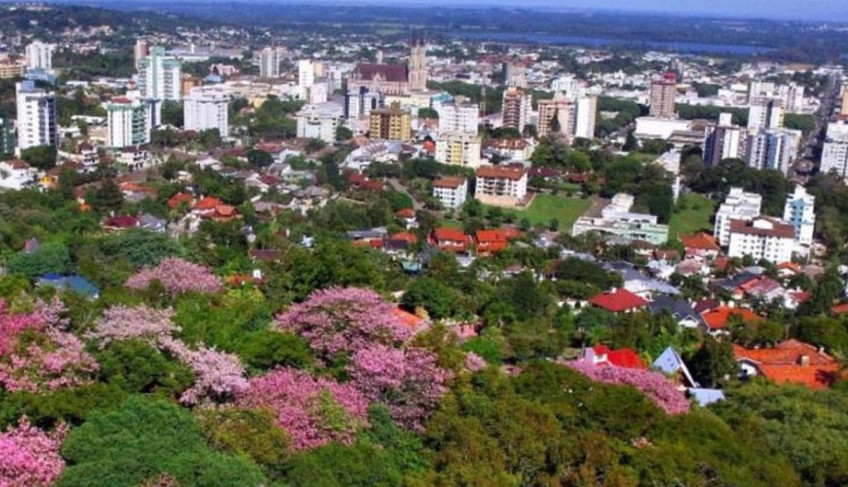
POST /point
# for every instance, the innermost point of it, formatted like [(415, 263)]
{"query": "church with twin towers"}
[(393, 79)]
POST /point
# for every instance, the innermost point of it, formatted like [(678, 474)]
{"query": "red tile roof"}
[(393, 73), (618, 301), (406, 237), (717, 318), (450, 183), (207, 203), (121, 222), (839, 309), (623, 357), (175, 201), (491, 240), (792, 362), (778, 228), (514, 173), (407, 213), (408, 319), (452, 239), (699, 241)]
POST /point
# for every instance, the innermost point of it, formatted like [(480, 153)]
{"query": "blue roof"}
[(668, 362), (73, 282), (705, 397)]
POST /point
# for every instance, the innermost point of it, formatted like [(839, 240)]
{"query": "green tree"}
[(343, 133), (172, 113), (259, 158), (50, 257), (210, 139), (430, 294), (712, 362), (41, 157)]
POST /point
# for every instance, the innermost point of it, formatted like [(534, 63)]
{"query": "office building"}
[(834, 157), (800, 213), (458, 117), (451, 192), (390, 124), (319, 121), (459, 149), (556, 116), (361, 102), (269, 63), (37, 120), (160, 76), (40, 56), (761, 237), (127, 123), (516, 108), (305, 73), (738, 205), (724, 141), (206, 109), (663, 95), (501, 185), (772, 149), (765, 113), (618, 222)]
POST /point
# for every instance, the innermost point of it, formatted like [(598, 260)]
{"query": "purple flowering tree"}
[(177, 276), (313, 411), (120, 323)]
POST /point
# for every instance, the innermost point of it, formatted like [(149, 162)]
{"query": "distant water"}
[(604, 42)]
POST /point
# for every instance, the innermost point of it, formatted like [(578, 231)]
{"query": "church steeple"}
[(417, 66)]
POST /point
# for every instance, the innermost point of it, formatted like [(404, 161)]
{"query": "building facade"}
[(390, 124), (206, 109), (556, 116), (127, 123), (451, 192), (663, 95), (834, 157), (761, 238), (393, 79), (458, 117), (738, 205), (459, 149), (319, 121), (37, 119), (516, 108), (724, 141), (800, 213), (501, 185), (765, 113), (160, 76), (772, 149), (617, 221), (40, 56), (269, 62)]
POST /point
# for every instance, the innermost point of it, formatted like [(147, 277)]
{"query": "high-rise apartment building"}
[(128, 123), (800, 212), (663, 95), (765, 113), (319, 121), (771, 149), (269, 62), (516, 107), (206, 109), (390, 124), (834, 157), (160, 76), (738, 205), (460, 149), (556, 116), (586, 110), (7, 136), (724, 141), (37, 120), (140, 51), (458, 117), (305, 73), (40, 55)]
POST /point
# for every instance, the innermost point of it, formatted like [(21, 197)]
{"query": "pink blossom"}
[(218, 375), (123, 323), (474, 362), (312, 411), (655, 386), (408, 381), (344, 320), (177, 276), (29, 457)]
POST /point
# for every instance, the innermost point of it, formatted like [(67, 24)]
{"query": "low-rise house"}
[(407, 217), (180, 199), (118, 223), (450, 239), (16, 174), (671, 364), (792, 362), (680, 310), (490, 241), (152, 223), (761, 238), (701, 245), (624, 357), (618, 301), (718, 318)]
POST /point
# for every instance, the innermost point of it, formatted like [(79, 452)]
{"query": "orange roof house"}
[(178, 199), (450, 239), (208, 203), (491, 240), (405, 213), (717, 318), (619, 301), (623, 357), (790, 362), (700, 241)]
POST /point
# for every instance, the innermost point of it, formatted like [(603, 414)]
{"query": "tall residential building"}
[(160, 76), (140, 51), (501, 185), (37, 120), (761, 237), (516, 107), (127, 123), (390, 124), (738, 205), (844, 109), (451, 192), (835, 151), (765, 113), (40, 55), (359, 103), (305, 73), (556, 116), (663, 94), (586, 109), (458, 117), (207, 108), (515, 75), (269, 62), (772, 149), (319, 121), (460, 149), (724, 141), (569, 85), (7, 136), (800, 212)]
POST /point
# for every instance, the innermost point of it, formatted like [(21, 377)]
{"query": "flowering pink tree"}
[(474, 362), (177, 276), (344, 319), (124, 323), (29, 457), (408, 381), (38, 354), (218, 375), (312, 411), (655, 386)]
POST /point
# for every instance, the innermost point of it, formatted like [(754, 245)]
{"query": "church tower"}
[(417, 66)]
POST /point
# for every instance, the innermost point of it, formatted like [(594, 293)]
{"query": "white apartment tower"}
[(269, 63), (206, 109), (458, 117), (305, 73), (835, 151), (160, 76), (765, 113), (800, 213), (459, 149), (738, 205), (37, 118), (771, 149), (724, 141), (127, 123), (40, 55), (586, 108)]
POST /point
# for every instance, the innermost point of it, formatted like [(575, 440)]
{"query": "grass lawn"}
[(696, 215), (546, 207)]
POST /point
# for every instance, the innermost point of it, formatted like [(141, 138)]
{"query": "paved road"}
[(829, 101)]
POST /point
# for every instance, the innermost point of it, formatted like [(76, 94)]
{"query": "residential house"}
[(671, 364), (700, 244), (152, 223), (618, 301), (16, 174), (118, 223), (761, 238), (407, 217), (718, 318), (491, 241), (680, 310), (450, 239), (792, 362), (451, 191), (73, 283), (624, 357)]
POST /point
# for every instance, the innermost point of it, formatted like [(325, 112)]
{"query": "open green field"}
[(545, 207), (695, 215)]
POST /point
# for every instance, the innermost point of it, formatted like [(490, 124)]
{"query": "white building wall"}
[(206, 109)]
